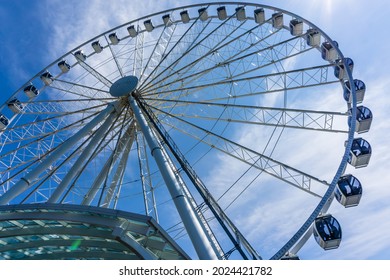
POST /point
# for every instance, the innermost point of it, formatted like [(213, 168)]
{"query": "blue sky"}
[(36, 32)]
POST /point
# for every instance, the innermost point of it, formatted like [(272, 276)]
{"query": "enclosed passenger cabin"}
[(3, 122), (339, 70), (64, 66), (203, 15), (80, 56), (327, 232), (46, 78), (114, 38), (313, 38), (31, 91), (15, 106), (360, 89), (363, 119), (222, 14), (259, 15), (328, 51), (149, 25), (277, 20), (240, 14), (185, 18), (97, 47), (296, 27), (360, 153), (167, 20), (348, 191), (132, 32)]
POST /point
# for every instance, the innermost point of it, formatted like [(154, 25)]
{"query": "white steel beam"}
[(24, 183), (190, 220)]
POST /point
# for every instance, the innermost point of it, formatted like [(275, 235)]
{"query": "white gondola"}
[(240, 14), (259, 15), (167, 20), (64, 66), (149, 25), (185, 18), (31, 91), (313, 38), (348, 191), (203, 15), (114, 38), (339, 70), (132, 32), (46, 78), (360, 153), (80, 56), (97, 47), (363, 119), (360, 89), (327, 232), (277, 20), (221, 11), (296, 27), (15, 106), (328, 51), (3, 121)]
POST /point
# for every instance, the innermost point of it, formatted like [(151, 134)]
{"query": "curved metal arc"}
[(326, 200)]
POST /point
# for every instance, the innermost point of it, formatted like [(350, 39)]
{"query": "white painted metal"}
[(24, 183), (195, 230)]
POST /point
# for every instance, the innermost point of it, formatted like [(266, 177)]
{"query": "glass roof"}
[(56, 231)]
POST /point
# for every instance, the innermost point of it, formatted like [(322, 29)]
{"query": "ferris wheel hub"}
[(124, 86)]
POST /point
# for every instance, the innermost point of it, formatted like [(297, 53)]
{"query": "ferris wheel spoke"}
[(42, 128), (253, 158), (146, 178), (215, 48), (55, 110), (115, 58), (231, 58), (79, 180), (26, 165), (51, 173), (194, 46), (117, 165), (247, 63), (126, 139), (23, 184), (94, 73), (158, 53), (99, 135), (263, 84), (179, 41), (79, 91), (257, 115), (117, 181)]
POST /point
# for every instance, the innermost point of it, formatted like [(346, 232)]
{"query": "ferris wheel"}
[(212, 131)]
